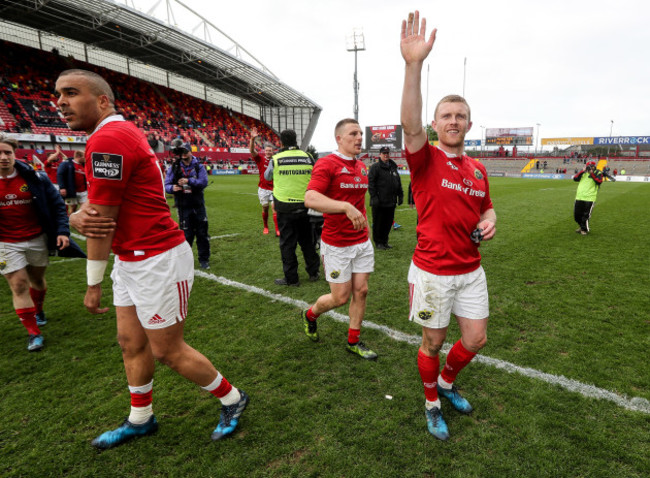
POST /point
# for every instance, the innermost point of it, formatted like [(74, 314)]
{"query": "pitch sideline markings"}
[(636, 403), (83, 238)]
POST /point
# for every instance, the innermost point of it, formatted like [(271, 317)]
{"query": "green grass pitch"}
[(561, 304)]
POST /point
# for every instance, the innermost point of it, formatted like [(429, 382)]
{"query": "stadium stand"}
[(28, 104)]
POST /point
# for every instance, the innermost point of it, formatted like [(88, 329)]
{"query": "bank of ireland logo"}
[(478, 175), (357, 179), (335, 274), (9, 197), (424, 314), (467, 182)]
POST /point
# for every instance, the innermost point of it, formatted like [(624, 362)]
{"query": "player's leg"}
[(471, 309), (38, 290), (430, 303), (429, 367), (24, 306), (356, 312), (275, 218), (139, 367)]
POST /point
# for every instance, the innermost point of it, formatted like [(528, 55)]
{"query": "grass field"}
[(565, 309)]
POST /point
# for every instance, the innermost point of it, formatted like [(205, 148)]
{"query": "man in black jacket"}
[(33, 225), (385, 188)]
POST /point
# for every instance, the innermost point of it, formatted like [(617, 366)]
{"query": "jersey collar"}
[(108, 119), (343, 156)]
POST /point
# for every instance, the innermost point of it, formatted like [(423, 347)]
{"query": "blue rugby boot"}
[(35, 343), (230, 417), (124, 433), (458, 402), (40, 319), (436, 424)]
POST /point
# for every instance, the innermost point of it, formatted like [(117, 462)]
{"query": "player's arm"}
[(268, 174), (322, 203), (99, 249), (88, 221), (488, 223), (254, 135), (415, 48)]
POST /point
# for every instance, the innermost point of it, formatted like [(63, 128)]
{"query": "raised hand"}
[(414, 45)]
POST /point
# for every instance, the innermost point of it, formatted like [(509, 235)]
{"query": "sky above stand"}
[(572, 67)]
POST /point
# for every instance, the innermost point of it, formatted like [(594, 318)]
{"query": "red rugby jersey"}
[(18, 220), (262, 163), (450, 195), (342, 179), (122, 170)]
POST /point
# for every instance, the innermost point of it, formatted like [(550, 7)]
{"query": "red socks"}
[(353, 336), (310, 315), (28, 319), (38, 297), (428, 368), (142, 399), (265, 218), (223, 389), (457, 358), (275, 221)]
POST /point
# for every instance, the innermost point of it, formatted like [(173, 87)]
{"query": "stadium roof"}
[(139, 36)]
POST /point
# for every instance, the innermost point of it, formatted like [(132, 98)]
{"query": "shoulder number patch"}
[(107, 166)]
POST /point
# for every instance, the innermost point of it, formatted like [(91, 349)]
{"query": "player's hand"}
[(414, 45), (183, 181), (254, 133), (62, 242), (176, 188), (489, 229), (89, 223), (357, 219), (92, 299)]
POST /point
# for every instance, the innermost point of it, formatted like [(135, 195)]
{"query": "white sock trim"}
[(140, 415), (215, 383), (142, 388), (231, 397), (443, 384), (429, 405)]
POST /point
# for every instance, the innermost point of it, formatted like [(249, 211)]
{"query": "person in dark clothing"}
[(33, 225), (186, 179), (385, 188), (290, 170)]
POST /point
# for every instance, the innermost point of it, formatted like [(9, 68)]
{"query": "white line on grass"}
[(636, 403), (83, 238)]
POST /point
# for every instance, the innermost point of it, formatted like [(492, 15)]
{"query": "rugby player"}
[(452, 197), (338, 189), (33, 220), (154, 267), (264, 187)]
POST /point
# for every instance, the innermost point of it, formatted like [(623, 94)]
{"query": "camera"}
[(606, 173)]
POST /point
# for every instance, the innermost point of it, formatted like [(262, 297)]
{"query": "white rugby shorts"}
[(18, 255), (433, 298), (341, 262), (159, 286), (265, 195)]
